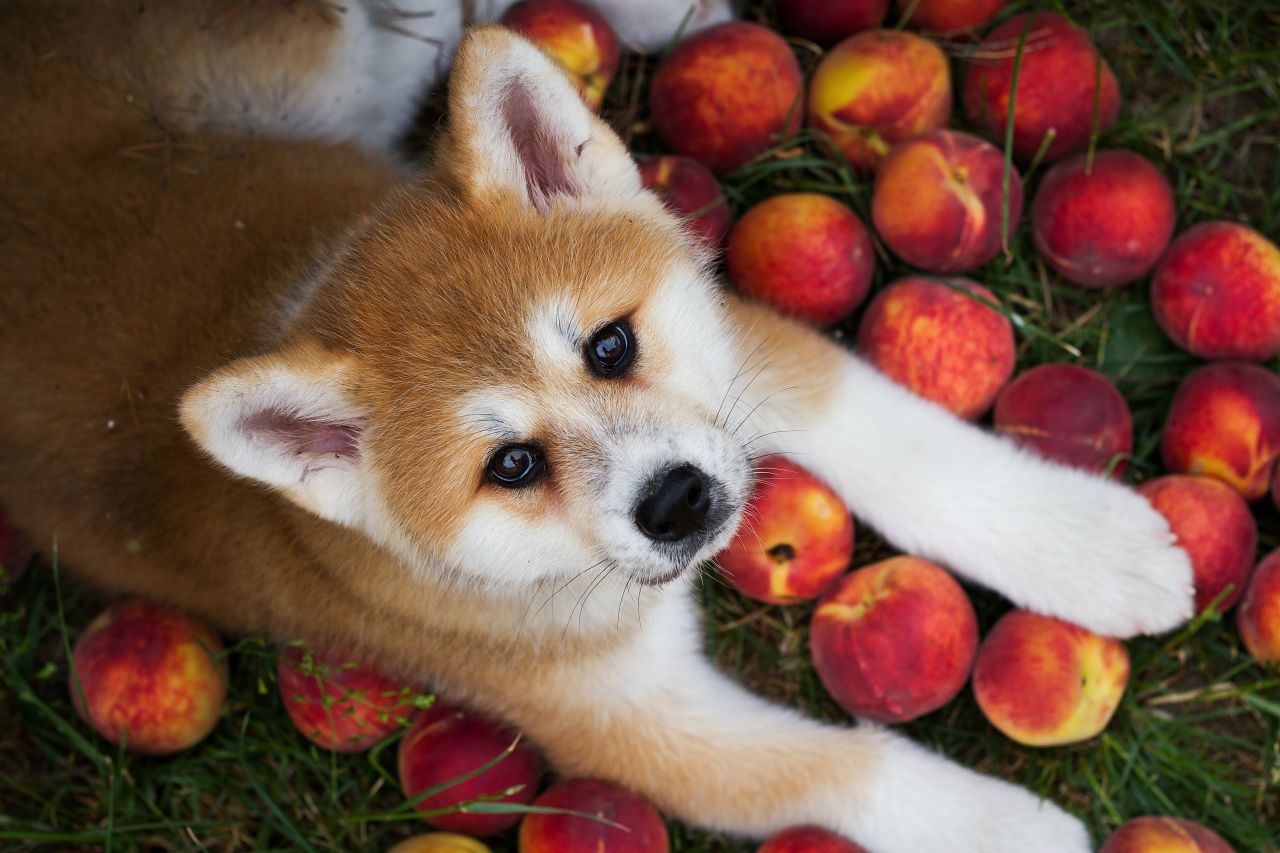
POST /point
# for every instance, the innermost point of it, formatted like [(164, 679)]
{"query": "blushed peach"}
[(1103, 224), (877, 88), (1061, 78), (633, 825), (1216, 292), (797, 537), (1258, 616), (1214, 526), (940, 341), (690, 191), (1045, 682), (1069, 414), (1224, 422), (825, 22), (809, 839), (1165, 835), (805, 254), (440, 842), (726, 94), (575, 36), (952, 19), (894, 640), (939, 201)]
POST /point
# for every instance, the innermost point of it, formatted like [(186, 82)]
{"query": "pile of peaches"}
[(897, 639)]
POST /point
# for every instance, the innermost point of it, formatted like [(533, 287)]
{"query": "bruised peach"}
[(726, 94), (877, 88), (690, 191), (939, 201), (1065, 89), (439, 842), (804, 254), (796, 540), (1165, 835), (953, 19), (1045, 682), (1069, 414), (148, 678), (1258, 616), (1103, 223), (825, 22), (339, 703), (575, 36), (809, 839), (1216, 292), (940, 341), (1224, 421), (447, 742), (1214, 526), (620, 822), (894, 640)]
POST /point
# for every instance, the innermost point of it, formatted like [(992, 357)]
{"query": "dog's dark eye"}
[(515, 466), (611, 350)]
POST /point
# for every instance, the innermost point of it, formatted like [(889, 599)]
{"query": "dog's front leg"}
[(1050, 538)]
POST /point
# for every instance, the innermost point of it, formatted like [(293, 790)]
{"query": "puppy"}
[(478, 423)]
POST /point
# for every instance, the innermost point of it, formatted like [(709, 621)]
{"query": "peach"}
[(633, 826), (1216, 292), (447, 742), (1069, 414), (1214, 526), (15, 554), (825, 22), (805, 254), (726, 94), (939, 201), (439, 842), (877, 88), (809, 839), (954, 19), (797, 537), (1258, 616), (148, 678), (894, 640), (1224, 421), (1165, 835), (940, 341), (1058, 86), (691, 192), (339, 703), (1105, 224), (575, 36), (1045, 682)]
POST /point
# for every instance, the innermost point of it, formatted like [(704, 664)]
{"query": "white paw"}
[(1017, 821)]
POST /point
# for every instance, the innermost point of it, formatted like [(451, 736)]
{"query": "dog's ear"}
[(288, 420), (517, 125)]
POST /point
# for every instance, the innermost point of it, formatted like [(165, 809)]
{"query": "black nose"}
[(676, 504)]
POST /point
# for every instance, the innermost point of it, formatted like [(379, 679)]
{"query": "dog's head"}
[(519, 370)]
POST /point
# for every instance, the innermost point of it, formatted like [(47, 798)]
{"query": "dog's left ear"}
[(518, 126)]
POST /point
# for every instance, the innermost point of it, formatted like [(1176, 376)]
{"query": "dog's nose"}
[(676, 504)]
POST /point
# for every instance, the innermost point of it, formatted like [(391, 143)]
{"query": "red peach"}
[(575, 36), (1258, 616), (825, 22), (894, 640), (338, 703), (1069, 414), (1045, 682), (1058, 85), (949, 18), (15, 554), (726, 94), (1165, 835), (1216, 292), (940, 341), (1214, 526), (439, 842), (148, 677), (805, 254), (447, 742), (939, 201), (1224, 421), (691, 192), (1103, 224), (639, 827), (877, 88), (796, 540), (809, 839)]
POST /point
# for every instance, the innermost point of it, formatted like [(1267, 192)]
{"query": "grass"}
[(1197, 734)]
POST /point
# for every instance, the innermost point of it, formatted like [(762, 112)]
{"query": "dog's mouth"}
[(719, 529), (663, 580)]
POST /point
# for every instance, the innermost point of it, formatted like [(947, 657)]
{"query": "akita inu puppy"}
[(477, 423)]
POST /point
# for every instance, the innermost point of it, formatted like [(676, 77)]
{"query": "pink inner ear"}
[(307, 437), (542, 155)]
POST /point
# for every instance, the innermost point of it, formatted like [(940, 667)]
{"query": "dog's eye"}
[(515, 466), (611, 350)]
